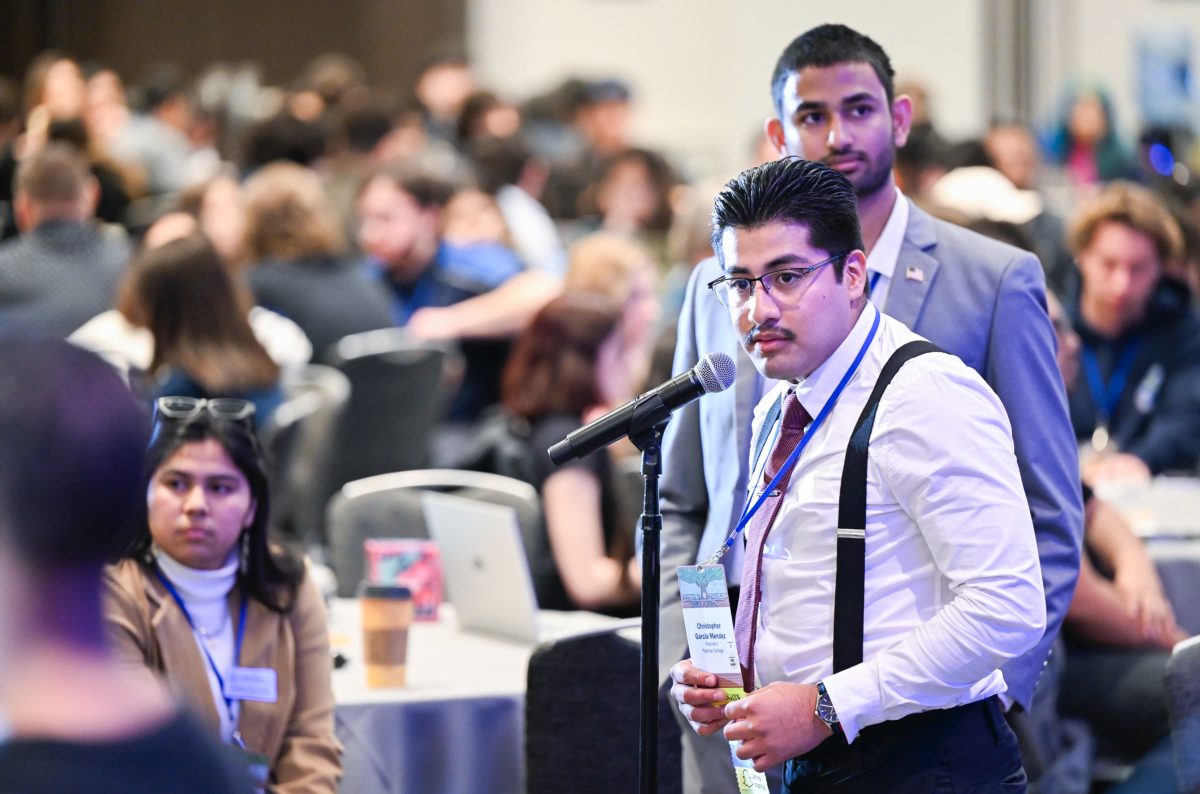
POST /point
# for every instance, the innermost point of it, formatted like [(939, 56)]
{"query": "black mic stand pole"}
[(648, 439)]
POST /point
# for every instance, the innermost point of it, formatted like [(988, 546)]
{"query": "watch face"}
[(825, 710)]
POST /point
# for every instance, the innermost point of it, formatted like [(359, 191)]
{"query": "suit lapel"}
[(259, 723), (915, 269), (746, 397)]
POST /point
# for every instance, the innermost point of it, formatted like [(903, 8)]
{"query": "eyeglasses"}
[(231, 409), (784, 286)]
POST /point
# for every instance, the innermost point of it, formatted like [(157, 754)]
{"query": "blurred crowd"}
[(207, 232)]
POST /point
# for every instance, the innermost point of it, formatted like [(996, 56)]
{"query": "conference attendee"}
[(1084, 139), (887, 681), (980, 300), (632, 195), (568, 368), (400, 214), (53, 91), (204, 601), (508, 169), (203, 343), (297, 264), (1136, 402), (154, 140), (399, 228), (1120, 628), (621, 268), (63, 268), (75, 718), (130, 347), (1012, 149)]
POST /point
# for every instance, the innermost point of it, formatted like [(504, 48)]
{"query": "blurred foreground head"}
[(71, 460)]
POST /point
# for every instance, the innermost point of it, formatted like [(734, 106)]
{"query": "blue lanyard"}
[(237, 648), (1107, 395), (875, 280), (753, 505)]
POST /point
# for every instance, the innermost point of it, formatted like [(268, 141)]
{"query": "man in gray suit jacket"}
[(976, 298), (63, 269)]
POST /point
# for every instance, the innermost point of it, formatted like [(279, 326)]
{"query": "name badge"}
[(709, 624), (252, 683)]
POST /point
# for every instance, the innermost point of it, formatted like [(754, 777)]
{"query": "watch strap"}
[(826, 713)]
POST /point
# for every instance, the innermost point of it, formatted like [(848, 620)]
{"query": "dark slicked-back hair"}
[(829, 45), (795, 191)]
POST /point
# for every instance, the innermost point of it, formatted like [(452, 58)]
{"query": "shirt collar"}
[(886, 252), (815, 390)]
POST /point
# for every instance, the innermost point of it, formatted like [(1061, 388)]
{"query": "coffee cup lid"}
[(376, 590)]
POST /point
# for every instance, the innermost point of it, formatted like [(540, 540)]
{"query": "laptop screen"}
[(483, 560)]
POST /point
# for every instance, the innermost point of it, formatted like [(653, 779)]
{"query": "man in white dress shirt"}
[(952, 586)]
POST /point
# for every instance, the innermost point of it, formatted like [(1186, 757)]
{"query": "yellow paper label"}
[(750, 781)]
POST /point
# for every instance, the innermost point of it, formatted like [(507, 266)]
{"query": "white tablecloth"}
[(459, 723)]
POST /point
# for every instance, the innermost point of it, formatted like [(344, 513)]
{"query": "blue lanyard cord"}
[(1106, 396), (875, 280), (237, 648), (753, 506)]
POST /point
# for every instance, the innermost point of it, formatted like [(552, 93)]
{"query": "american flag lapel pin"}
[(914, 274)]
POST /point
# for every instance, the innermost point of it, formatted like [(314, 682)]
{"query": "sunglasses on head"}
[(231, 409)]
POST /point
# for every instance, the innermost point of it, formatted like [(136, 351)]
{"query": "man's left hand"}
[(775, 723)]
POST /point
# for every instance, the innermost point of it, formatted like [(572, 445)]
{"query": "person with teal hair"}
[(1083, 139)]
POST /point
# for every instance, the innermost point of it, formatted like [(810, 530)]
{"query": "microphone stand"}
[(647, 437)]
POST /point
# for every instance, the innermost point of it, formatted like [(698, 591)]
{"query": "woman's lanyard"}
[(1106, 396), (752, 506), (875, 280), (212, 664)]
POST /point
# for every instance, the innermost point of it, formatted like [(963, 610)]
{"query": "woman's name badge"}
[(713, 647), (252, 683)]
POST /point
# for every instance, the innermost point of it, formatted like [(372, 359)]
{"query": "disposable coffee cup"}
[(387, 612)]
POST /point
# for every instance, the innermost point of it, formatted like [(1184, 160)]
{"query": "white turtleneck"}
[(206, 596)]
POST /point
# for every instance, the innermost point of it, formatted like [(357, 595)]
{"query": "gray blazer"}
[(58, 276), (978, 299)]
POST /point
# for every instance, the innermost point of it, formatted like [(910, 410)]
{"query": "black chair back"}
[(567, 751), (399, 392)]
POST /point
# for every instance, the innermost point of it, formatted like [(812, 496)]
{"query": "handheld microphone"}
[(714, 373)]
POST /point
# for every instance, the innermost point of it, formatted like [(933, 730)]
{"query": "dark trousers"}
[(965, 749)]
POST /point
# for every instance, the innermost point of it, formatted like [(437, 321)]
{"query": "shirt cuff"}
[(854, 693)]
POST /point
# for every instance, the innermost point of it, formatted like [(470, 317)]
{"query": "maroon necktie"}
[(795, 419)]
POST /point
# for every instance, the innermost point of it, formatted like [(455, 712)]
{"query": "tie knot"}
[(794, 415)]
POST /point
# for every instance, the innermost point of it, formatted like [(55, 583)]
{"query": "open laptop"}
[(487, 573)]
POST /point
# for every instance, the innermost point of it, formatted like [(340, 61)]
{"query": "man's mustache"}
[(756, 332), (842, 154)]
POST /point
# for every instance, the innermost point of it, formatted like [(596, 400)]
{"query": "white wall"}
[(1095, 40), (700, 69)]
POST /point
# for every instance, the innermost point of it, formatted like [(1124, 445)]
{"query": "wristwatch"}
[(825, 711)]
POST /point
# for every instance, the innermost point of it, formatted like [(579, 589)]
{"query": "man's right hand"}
[(699, 698)]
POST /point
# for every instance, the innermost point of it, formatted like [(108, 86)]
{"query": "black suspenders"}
[(852, 519)]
